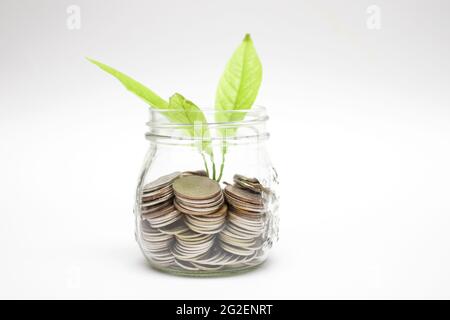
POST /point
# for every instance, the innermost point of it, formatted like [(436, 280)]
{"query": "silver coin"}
[(206, 219), (186, 265), (216, 204), (202, 203), (238, 235), (147, 193), (166, 220), (188, 253), (146, 204), (238, 229), (155, 195), (195, 173), (207, 267), (240, 177), (161, 182), (195, 211), (244, 206), (167, 262), (244, 195), (174, 229), (245, 220), (156, 236), (209, 230), (155, 214), (157, 239), (157, 207), (236, 241), (204, 224), (155, 247), (236, 250), (196, 187), (251, 184), (195, 243), (163, 255)]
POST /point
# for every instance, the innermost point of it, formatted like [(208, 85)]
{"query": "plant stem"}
[(222, 165), (205, 164), (214, 169)]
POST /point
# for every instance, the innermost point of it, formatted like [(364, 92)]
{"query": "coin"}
[(195, 173), (244, 220), (145, 204), (195, 211), (240, 177), (205, 230), (157, 213), (193, 236), (188, 253), (251, 184), (159, 193), (217, 200), (163, 259), (154, 208), (241, 251), (186, 265), (196, 187), (175, 228), (189, 222), (240, 233), (208, 224), (166, 219), (189, 245), (161, 182), (155, 242), (244, 195), (244, 206)]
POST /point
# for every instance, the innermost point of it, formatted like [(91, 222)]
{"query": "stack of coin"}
[(157, 211), (202, 202), (157, 245), (208, 224), (251, 184), (218, 258), (158, 193), (189, 222), (156, 204), (246, 221), (189, 245)]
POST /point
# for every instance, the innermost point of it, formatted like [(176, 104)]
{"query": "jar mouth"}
[(163, 117), (207, 122)]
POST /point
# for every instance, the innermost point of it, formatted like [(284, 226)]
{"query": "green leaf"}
[(134, 86), (178, 110), (240, 82), (188, 113), (237, 89)]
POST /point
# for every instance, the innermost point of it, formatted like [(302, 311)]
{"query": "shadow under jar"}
[(206, 202)]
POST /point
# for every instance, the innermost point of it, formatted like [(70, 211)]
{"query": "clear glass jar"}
[(190, 224)]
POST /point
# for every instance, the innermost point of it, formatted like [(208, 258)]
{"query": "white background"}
[(360, 124)]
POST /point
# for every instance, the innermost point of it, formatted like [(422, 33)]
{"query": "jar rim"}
[(214, 118), (233, 125)]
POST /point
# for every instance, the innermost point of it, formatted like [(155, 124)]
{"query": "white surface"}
[(360, 124)]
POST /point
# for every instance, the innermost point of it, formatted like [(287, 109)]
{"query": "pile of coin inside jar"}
[(189, 222)]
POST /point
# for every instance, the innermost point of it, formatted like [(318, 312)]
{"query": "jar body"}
[(239, 230)]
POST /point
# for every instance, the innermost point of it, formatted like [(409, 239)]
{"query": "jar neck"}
[(209, 126)]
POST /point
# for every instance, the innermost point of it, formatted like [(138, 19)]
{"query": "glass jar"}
[(206, 201)]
